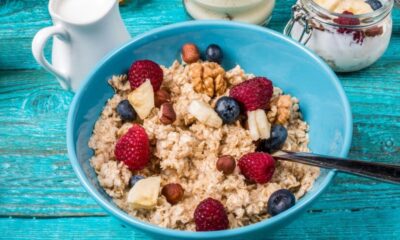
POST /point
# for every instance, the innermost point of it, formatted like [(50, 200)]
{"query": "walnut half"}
[(208, 78)]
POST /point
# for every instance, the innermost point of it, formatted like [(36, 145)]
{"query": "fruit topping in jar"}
[(348, 34)]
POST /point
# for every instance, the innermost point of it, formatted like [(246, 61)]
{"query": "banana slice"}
[(142, 99), (251, 120), (330, 5), (259, 126), (204, 113), (339, 6), (263, 126), (144, 193), (354, 6)]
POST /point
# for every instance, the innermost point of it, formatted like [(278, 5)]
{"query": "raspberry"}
[(253, 94), (257, 167), (210, 215), (349, 21), (358, 35), (133, 148), (145, 69)]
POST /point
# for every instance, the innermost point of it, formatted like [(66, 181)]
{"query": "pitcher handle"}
[(38, 44)]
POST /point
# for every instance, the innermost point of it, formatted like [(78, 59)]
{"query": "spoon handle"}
[(379, 171)]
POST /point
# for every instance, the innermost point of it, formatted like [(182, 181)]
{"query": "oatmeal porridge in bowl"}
[(189, 145), (183, 129)]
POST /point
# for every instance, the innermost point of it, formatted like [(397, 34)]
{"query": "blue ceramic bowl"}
[(258, 50)]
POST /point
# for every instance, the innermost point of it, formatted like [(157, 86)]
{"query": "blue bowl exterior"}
[(258, 50)]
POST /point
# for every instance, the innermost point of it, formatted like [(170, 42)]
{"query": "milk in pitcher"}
[(82, 11)]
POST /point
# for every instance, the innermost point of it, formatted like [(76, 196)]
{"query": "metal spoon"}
[(379, 171)]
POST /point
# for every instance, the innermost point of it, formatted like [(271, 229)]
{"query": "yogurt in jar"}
[(348, 34), (249, 11)]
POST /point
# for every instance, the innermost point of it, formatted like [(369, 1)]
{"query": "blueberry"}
[(126, 111), (134, 179), (228, 109), (275, 142), (280, 201), (214, 53), (375, 4)]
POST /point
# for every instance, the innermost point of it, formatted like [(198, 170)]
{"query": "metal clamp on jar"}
[(346, 40)]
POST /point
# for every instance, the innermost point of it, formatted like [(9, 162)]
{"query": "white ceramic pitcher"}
[(79, 44)]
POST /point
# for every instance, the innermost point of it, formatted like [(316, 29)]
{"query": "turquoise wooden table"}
[(40, 197)]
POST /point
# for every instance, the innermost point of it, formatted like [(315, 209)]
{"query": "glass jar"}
[(250, 11), (346, 42)]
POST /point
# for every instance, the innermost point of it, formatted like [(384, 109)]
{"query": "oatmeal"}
[(182, 171)]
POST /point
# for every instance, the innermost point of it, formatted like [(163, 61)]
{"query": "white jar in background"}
[(347, 42), (249, 11)]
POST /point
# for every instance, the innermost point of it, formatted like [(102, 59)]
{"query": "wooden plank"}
[(369, 224)]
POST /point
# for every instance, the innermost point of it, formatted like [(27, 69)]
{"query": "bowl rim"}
[(150, 228)]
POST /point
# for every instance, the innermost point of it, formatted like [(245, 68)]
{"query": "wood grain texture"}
[(39, 190), (306, 227)]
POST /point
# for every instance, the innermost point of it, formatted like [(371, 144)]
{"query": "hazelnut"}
[(167, 113), (226, 164), (173, 192), (190, 53), (161, 96)]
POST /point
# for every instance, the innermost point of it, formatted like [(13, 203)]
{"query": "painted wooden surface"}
[(40, 197)]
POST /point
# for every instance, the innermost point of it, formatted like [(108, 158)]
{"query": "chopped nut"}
[(173, 192), (283, 104), (190, 53), (167, 113), (226, 164), (208, 78), (161, 96), (220, 84), (196, 74)]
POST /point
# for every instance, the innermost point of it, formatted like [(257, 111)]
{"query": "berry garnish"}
[(145, 69), (126, 111), (253, 94), (280, 201), (214, 53), (134, 179), (210, 215), (228, 109), (133, 148), (375, 4), (347, 20), (275, 142), (257, 167), (358, 35)]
